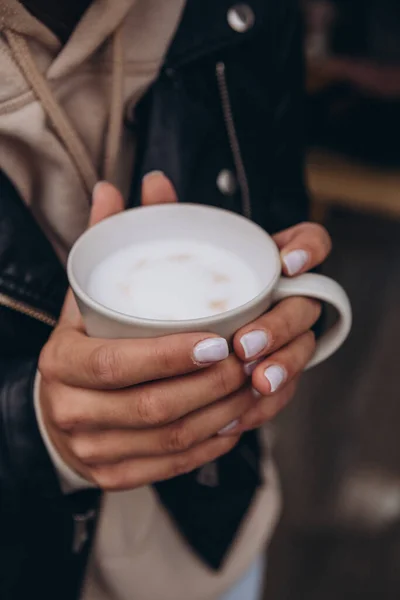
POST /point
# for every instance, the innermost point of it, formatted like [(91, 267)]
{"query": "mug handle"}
[(325, 289)]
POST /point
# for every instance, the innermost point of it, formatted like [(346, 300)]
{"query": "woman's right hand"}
[(125, 413)]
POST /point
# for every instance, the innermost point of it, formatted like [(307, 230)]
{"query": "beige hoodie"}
[(61, 115), (95, 79)]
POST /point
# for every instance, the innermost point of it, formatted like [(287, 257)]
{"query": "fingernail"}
[(276, 376), (256, 393), (211, 350), (295, 261), (249, 367), (254, 342), (229, 428), (96, 188), (152, 174)]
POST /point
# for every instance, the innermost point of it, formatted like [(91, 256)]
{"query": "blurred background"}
[(338, 444)]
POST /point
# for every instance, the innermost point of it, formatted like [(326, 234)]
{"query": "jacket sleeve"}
[(29, 272), (25, 466), (37, 521)]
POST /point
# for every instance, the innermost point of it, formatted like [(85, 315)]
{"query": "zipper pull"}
[(81, 534)]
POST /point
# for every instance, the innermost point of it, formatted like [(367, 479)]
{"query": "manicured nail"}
[(276, 376), (211, 350), (229, 428), (254, 342), (256, 393), (250, 366), (295, 261), (152, 174)]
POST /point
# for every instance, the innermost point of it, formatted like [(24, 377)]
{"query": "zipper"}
[(27, 310), (233, 139)]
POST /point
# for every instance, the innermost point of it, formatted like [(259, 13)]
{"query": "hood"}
[(98, 23)]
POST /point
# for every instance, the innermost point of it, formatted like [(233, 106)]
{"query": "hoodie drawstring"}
[(59, 118), (116, 109)]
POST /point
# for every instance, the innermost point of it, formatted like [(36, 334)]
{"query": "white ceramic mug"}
[(206, 224)]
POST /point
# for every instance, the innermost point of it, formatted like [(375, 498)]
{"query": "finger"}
[(112, 446), (303, 247), (266, 408), (276, 328), (157, 189), (283, 366), (106, 201), (147, 406), (135, 473), (79, 361)]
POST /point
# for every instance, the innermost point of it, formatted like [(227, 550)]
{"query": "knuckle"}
[(47, 363), (105, 365), (152, 409), (311, 340), (106, 479), (223, 384), (178, 438), (284, 326), (265, 413), (227, 446), (226, 379), (322, 236), (316, 308), (306, 347), (85, 450), (318, 229), (326, 239), (64, 415), (166, 357), (116, 477)]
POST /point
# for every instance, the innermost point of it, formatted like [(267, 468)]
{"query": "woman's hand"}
[(276, 347), (126, 413)]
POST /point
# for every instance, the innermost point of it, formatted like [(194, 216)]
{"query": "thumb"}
[(106, 201), (157, 189)]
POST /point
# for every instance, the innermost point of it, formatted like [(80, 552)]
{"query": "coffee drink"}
[(173, 280), (153, 271)]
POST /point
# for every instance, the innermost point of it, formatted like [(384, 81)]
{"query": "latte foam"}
[(173, 280)]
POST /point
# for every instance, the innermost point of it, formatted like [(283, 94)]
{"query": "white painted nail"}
[(254, 342), (276, 376), (295, 261), (229, 428), (211, 350), (256, 393), (250, 366)]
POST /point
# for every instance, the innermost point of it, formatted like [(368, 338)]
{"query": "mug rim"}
[(123, 318)]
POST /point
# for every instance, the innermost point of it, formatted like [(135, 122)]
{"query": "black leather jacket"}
[(224, 101)]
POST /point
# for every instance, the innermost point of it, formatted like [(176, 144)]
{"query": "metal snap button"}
[(241, 17), (226, 182)]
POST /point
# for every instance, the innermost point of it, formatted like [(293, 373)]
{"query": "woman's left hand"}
[(276, 347)]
